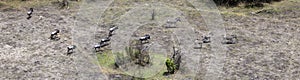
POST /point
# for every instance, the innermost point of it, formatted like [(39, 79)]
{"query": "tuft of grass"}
[(2, 4), (106, 59), (107, 62)]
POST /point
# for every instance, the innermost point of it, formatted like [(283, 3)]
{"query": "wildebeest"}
[(206, 39), (70, 49), (144, 38), (232, 39), (111, 30), (97, 47), (53, 35), (107, 39), (29, 13)]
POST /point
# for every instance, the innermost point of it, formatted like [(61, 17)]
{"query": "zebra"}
[(53, 35), (70, 49)]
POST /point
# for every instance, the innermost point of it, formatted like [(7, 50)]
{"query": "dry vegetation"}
[(248, 3), (268, 46)]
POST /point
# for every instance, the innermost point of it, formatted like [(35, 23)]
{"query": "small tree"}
[(153, 15), (171, 66), (133, 53), (138, 53)]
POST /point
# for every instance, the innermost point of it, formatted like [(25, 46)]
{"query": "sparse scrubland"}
[(267, 31)]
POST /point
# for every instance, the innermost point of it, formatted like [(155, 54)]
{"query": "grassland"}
[(268, 46)]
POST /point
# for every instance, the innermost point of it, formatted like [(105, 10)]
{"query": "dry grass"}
[(254, 49), (18, 4)]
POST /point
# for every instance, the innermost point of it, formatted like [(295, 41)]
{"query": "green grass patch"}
[(2, 4), (106, 59), (155, 71), (160, 63)]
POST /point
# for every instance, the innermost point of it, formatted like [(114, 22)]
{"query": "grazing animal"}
[(144, 38), (111, 30), (232, 39), (29, 13), (97, 47), (104, 40), (70, 49), (54, 34), (206, 39)]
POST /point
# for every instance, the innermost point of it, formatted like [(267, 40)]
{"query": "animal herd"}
[(104, 42), (232, 39)]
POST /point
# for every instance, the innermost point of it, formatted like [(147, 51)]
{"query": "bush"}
[(171, 66), (138, 53), (251, 3), (133, 53)]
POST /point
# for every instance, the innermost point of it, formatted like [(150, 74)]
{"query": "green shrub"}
[(171, 66)]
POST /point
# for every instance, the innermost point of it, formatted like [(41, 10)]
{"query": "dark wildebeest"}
[(29, 13), (53, 35), (70, 49), (144, 38), (111, 30)]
